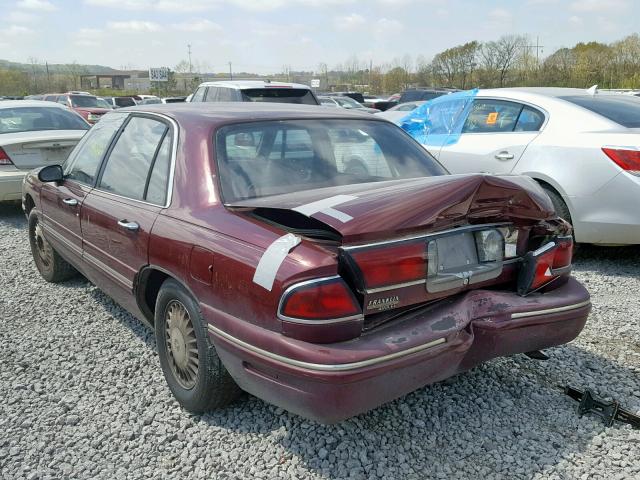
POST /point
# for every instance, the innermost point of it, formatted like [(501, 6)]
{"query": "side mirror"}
[(51, 173)]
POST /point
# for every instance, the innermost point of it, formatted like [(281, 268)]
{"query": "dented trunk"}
[(384, 210)]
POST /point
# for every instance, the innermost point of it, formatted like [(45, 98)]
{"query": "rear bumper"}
[(333, 382), (610, 215), (11, 184)]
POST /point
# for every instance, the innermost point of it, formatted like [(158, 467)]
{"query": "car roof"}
[(244, 84), (238, 112), (542, 91), (29, 103)]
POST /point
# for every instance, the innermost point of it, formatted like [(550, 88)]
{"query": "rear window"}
[(84, 101), (270, 158), (125, 101), (279, 95), (32, 119), (622, 109), (419, 95)]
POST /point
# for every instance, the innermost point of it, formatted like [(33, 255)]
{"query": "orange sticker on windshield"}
[(492, 118)]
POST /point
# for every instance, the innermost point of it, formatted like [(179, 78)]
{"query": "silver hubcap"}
[(42, 246), (181, 344)]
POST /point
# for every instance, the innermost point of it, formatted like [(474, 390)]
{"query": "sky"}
[(262, 36)]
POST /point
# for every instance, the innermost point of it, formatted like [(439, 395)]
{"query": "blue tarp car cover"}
[(439, 122)]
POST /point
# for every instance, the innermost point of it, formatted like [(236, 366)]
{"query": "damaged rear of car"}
[(384, 273)]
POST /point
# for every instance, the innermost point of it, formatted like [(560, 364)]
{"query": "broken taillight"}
[(325, 299), (545, 264), (392, 264)]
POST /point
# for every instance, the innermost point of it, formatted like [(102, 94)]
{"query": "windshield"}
[(622, 109), (84, 101), (125, 102), (102, 103), (279, 95), (270, 158), (32, 119)]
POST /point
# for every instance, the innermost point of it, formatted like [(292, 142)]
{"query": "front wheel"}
[(49, 263), (191, 366)]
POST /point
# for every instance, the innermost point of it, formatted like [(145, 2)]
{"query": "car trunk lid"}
[(29, 150)]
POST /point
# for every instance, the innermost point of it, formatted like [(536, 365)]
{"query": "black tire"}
[(49, 263), (199, 384), (558, 203)]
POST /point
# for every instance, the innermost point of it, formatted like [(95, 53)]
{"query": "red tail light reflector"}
[(4, 158), (626, 159), (563, 252), (320, 300), (545, 264), (392, 265)]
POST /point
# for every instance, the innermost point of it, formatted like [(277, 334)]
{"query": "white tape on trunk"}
[(326, 206), (272, 258)]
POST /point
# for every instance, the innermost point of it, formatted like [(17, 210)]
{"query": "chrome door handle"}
[(132, 226), (504, 155), (70, 201)]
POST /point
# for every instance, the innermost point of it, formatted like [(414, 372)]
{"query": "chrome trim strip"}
[(321, 367), (60, 238), (110, 271), (467, 228), (548, 311), (395, 286)]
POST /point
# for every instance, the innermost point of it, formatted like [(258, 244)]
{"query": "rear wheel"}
[(49, 263), (190, 363)]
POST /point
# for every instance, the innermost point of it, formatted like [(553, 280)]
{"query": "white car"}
[(33, 134), (583, 148)]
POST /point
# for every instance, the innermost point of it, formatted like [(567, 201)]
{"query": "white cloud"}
[(134, 26), (387, 26), (575, 21), (599, 5), (88, 37), (159, 5), (349, 22), (500, 15), (21, 17), (40, 5), (198, 26), (16, 31)]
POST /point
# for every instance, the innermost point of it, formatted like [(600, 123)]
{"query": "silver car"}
[(583, 147)]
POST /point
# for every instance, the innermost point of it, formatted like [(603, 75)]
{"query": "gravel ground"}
[(82, 396)]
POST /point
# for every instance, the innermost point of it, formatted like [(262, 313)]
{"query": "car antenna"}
[(593, 90)]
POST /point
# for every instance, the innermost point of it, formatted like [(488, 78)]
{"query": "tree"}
[(499, 57)]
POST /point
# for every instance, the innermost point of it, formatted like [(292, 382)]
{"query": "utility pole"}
[(189, 50), (538, 49), (230, 72), (48, 77)]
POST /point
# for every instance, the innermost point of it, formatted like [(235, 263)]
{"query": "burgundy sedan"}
[(319, 259)]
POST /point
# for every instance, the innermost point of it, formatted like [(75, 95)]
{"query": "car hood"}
[(381, 210), (97, 111)]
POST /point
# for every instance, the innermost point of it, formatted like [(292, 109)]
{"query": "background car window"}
[(530, 120), (129, 162), (492, 116), (82, 165), (199, 95), (212, 94), (62, 99), (226, 94), (30, 119), (279, 95), (159, 178), (271, 158)]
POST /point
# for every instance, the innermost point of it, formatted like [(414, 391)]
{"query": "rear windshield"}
[(32, 119), (279, 95), (419, 95), (125, 101), (622, 109), (270, 158), (84, 101)]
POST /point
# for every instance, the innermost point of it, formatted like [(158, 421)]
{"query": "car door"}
[(493, 138), (118, 214), (61, 204)]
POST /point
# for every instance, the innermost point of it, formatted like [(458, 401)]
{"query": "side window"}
[(492, 116), (212, 94), (83, 163), (130, 160), (225, 94), (159, 177), (530, 120), (62, 100), (199, 95)]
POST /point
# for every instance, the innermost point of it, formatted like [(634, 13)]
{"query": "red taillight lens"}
[(391, 265), (543, 273), (628, 160), (323, 300), (563, 252), (4, 158)]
